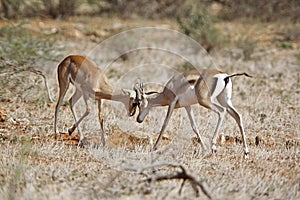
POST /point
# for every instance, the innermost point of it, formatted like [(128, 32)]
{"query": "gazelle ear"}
[(129, 93), (141, 85), (125, 91)]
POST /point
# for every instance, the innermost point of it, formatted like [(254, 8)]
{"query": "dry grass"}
[(35, 166)]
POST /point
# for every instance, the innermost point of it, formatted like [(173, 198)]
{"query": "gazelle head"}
[(142, 102), (132, 103)]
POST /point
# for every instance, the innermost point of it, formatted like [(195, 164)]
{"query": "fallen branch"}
[(38, 72), (182, 174), (24, 67)]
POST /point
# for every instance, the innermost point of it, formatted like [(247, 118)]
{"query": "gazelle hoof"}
[(70, 131), (154, 149), (214, 149), (246, 155), (83, 142)]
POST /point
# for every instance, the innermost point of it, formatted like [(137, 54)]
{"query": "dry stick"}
[(38, 72), (21, 68), (179, 175)]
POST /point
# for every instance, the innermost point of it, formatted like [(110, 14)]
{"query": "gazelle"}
[(90, 83), (210, 88)]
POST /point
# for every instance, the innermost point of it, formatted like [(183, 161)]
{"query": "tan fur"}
[(204, 86), (91, 83)]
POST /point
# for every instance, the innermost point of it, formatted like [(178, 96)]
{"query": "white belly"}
[(187, 98)]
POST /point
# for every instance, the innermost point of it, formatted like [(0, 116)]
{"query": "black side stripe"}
[(152, 92)]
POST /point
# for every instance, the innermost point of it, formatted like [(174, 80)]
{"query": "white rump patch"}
[(220, 85)]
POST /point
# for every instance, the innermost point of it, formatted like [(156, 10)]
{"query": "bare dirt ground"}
[(35, 166)]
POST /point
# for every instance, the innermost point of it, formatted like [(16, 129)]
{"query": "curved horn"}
[(139, 85), (142, 86), (137, 92)]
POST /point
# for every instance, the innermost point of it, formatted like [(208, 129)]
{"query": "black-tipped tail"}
[(226, 79)]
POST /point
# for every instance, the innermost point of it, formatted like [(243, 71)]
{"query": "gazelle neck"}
[(157, 100), (114, 96)]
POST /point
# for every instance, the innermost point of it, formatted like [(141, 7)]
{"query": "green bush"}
[(198, 24), (247, 45), (263, 10), (20, 45), (12, 9), (20, 50), (285, 45)]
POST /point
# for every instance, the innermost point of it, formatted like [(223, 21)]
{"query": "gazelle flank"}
[(210, 88), (90, 83)]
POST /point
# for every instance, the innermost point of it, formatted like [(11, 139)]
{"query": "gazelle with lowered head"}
[(211, 88), (90, 83)]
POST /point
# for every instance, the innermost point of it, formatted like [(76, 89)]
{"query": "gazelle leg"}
[(76, 96), (100, 118), (194, 125), (167, 119), (231, 110), (221, 114), (63, 87), (76, 124)]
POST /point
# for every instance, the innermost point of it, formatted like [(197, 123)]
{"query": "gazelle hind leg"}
[(210, 102), (73, 100), (225, 100), (221, 111), (194, 125), (231, 110), (100, 118), (63, 87)]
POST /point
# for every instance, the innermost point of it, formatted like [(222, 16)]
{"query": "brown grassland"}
[(35, 166)]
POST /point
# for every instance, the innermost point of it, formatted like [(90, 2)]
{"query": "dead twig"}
[(38, 72), (182, 174), (18, 68)]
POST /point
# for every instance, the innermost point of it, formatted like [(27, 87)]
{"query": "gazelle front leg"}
[(194, 125), (100, 118), (167, 119)]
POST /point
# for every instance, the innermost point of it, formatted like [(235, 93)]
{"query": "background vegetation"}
[(265, 10)]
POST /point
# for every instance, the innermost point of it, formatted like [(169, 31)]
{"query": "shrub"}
[(198, 24), (264, 10), (21, 45), (10, 8), (19, 49), (247, 45), (55, 8)]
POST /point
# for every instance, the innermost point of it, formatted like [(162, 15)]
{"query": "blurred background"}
[(265, 10), (203, 20)]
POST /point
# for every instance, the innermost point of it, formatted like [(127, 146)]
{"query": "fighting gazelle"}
[(210, 88), (90, 83)]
